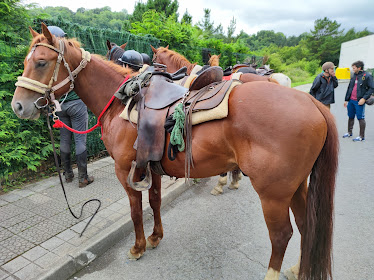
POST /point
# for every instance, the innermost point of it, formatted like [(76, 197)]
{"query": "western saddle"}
[(156, 99)]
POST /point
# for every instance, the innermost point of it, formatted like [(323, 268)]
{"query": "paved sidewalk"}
[(39, 238)]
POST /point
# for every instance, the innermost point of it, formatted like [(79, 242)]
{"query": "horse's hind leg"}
[(218, 189), (298, 206), (277, 219), (155, 202), (236, 177)]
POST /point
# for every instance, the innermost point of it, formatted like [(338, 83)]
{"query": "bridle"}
[(48, 95), (115, 47), (48, 90)]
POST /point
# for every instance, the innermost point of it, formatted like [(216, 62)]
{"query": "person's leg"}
[(351, 118), (360, 112), (65, 143), (79, 119)]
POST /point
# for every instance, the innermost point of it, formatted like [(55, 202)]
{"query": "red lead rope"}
[(60, 124)]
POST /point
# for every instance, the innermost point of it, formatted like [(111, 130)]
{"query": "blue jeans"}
[(74, 114), (355, 109)]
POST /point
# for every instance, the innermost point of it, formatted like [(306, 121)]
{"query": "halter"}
[(48, 90), (111, 51)]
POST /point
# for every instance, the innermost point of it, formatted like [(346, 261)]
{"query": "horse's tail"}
[(316, 249)]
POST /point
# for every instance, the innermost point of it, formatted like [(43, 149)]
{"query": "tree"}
[(231, 29), (187, 18), (324, 40), (168, 7), (206, 25)]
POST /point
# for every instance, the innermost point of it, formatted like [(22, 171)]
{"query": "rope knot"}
[(58, 124)]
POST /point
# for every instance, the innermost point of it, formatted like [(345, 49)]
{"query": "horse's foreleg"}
[(218, 189), (280, 231), (298, 206), (135, 198), (155, 202)]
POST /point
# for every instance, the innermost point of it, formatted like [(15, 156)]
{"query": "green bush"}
[(312, 66), (297, 74)]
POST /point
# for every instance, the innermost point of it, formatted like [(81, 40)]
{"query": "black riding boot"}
[(362, 124), (350, 125), (84, 179), (66, 164)]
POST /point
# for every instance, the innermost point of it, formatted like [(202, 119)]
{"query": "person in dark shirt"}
[(324, 85), (360, 88), (74, 114)]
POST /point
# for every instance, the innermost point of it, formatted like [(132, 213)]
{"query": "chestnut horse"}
[(278, 144), (213, 59)]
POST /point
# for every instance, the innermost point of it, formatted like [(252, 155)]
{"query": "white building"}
[(358, 49)]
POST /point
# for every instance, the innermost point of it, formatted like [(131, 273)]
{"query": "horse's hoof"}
[(234, 186), (152, 245), (134, 257), (216, 192), (290, 275)]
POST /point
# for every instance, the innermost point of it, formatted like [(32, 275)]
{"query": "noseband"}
[(48, 90)]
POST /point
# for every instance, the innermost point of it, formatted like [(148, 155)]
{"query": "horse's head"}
[(114, 51), (214, 59), (160, 55), (47, 73)]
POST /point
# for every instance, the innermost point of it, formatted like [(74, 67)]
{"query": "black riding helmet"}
[(57, 31), (133, 59), (146, 58)]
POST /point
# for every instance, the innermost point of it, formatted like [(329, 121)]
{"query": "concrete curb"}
[(70, 264)]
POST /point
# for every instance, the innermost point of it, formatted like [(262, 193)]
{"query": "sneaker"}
[(358, 139), (347, 135)]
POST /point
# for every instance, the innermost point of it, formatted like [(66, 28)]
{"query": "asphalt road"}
[(225, 237)]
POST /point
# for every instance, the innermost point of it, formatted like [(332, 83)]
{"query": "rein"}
[(60, 124), (48, 95)]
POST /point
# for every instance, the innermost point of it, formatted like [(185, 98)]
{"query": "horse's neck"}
[(190, 68), (96, 84)]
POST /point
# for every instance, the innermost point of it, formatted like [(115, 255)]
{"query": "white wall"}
[(358, 49)]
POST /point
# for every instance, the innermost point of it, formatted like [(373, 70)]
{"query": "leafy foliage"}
[(166, 7)]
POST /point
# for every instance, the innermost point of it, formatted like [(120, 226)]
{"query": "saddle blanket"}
[(219, 112), (233, 76)]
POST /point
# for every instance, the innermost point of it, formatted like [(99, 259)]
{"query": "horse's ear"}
[(47, 33), (209, 55), (153, 49), (123, 46), (108, 44), (33, 32), (167, 47), (219, 55)]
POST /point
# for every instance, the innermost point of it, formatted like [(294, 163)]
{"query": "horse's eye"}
[(41, 63)]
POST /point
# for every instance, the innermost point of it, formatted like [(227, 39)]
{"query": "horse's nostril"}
[(19, 107)]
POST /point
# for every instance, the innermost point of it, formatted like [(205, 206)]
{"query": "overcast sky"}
[(292, 17)]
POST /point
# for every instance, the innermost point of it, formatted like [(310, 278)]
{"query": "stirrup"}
[(143, 185)]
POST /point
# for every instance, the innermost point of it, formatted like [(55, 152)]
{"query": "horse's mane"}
[(118, 68), (177, 59)]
